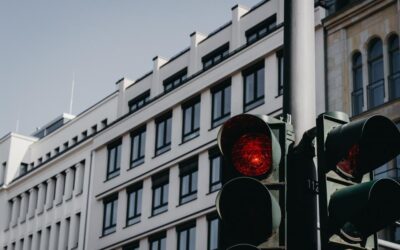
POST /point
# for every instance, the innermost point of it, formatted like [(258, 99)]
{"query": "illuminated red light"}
[(348, 165), (252, 154)]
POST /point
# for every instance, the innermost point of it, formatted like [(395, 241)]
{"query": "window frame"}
[(163, 121), (221, 88), (211, 218), (161, 181), (136, 189), (256, 29), (159, 237), (216, 56), (186, 228), (380, 83), (139, 102), (393, 75), (188, 168), (115, 171), (256, 101), (176, 80), (213, 154), (193, 131), (139, 133), (132, 246), (113, 200), (280, 61), (356, 67)]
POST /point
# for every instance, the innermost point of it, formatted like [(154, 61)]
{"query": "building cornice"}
[(353, 14)]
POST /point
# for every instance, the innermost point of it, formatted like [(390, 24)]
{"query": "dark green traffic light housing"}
[(351, 205), (356, 148), (253, 193)]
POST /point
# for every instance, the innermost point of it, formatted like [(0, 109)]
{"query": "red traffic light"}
[(252, 154), (353, 149), (248, 144)]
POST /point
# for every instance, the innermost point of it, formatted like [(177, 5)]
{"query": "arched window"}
[(376, 86), (394, 67), (357, 94)]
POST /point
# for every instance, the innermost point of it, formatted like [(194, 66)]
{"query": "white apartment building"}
[(140, 169)]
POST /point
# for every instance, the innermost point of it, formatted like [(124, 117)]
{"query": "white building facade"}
[(140, 169)]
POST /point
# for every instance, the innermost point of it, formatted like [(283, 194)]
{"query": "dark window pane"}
[(227, 100), (197, 115), (217, 104), (168, 134), (260, 83), (213, 234), (249, 88)]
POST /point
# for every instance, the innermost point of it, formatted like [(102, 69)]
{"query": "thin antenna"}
[(17, 125), (72, 93), (18, 116)]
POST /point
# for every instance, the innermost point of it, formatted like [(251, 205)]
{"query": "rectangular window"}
[(188, 178), (3, 172), (187, 237), (221, 103), (191, 119), (110, 214), (175, 80), (23, 168), (94, 129), (260, 30), (134, 209), (84, 134), (114, 159), (160, 193), (131, 246), (158, 242), (216, 56), (139, 101), (163, 133), (253, 79), (215, 169), (213, 233), (138, 144), (104, 123), (279, 56)]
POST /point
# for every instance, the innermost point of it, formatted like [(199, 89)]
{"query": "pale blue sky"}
[(43, 42)]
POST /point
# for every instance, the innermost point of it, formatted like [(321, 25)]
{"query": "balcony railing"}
[(376, 93), (357, 101)]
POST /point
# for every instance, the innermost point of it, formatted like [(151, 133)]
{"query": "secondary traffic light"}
[(249, 203), (352, 207)]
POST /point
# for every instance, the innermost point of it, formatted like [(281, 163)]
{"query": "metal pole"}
[(302, 66)]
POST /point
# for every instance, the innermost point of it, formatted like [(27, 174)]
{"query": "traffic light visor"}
[(248, 144), (359, 147), (243, 247)]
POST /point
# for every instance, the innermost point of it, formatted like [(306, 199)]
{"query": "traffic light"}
[(251, 201), (352, 207)]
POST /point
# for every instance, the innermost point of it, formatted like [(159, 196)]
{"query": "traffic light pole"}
[(299, 64)]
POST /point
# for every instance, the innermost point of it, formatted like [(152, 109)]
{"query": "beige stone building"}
[(363, 68)]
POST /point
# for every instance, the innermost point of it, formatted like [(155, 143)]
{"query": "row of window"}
[(211, 59), (52, 237), (186, 237), (254, 92), (52, 192), (188, 174), (25, 167), (376, 77)]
